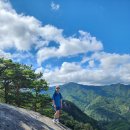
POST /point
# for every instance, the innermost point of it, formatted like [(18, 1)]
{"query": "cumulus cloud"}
[(24, 32), (69, 46), (112, 68), (16, 31), (55, 6)]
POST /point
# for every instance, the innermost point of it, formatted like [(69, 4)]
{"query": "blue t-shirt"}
[(57, 99)]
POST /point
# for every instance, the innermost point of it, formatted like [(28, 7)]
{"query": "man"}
[(57, 104)]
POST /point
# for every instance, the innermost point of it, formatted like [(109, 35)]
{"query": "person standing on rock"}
[(57, 103)]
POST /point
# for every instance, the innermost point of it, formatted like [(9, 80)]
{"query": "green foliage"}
[(122, 125), (69, 121), (2, 96), (76, 119), (15, 77), (103, 103)]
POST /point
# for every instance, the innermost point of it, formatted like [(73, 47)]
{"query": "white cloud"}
[(84, 59), (5, 55), (39, 70), (55, 6), (23, 56), (18, 56), (112, 68), (63, 74), (68, 46), (24, 32), (16, 31), (91, 63)]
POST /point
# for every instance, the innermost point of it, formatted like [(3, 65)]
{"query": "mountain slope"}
[(14, 118), (74, 112), (118, 125), (107, 104), (103, 103), (110, 104)]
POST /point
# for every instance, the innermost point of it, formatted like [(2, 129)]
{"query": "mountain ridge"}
[(107, 104)]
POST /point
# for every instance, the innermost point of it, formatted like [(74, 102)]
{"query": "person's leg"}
[(56, 115)]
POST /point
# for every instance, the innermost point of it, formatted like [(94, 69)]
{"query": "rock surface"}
[(14, 118)]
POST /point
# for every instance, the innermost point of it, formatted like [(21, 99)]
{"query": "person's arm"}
[(53, 101)]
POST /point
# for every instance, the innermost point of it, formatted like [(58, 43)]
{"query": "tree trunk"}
[(6, 85), (35, 108), (17, 96), (6, 94)]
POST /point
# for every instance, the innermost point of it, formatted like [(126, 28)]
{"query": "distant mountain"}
[(50, 91), (73, 111), (110, 103), (107, 103), (118, 125)]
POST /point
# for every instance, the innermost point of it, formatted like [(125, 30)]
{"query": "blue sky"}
[(108, 20), (84, 41)]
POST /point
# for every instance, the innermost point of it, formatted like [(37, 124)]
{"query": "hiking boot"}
[(57, 121), (54, 120)]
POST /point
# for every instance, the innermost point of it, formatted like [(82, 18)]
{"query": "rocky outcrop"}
[(14, 118)]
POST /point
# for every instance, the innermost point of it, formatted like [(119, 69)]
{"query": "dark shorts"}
[(58, 108)]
